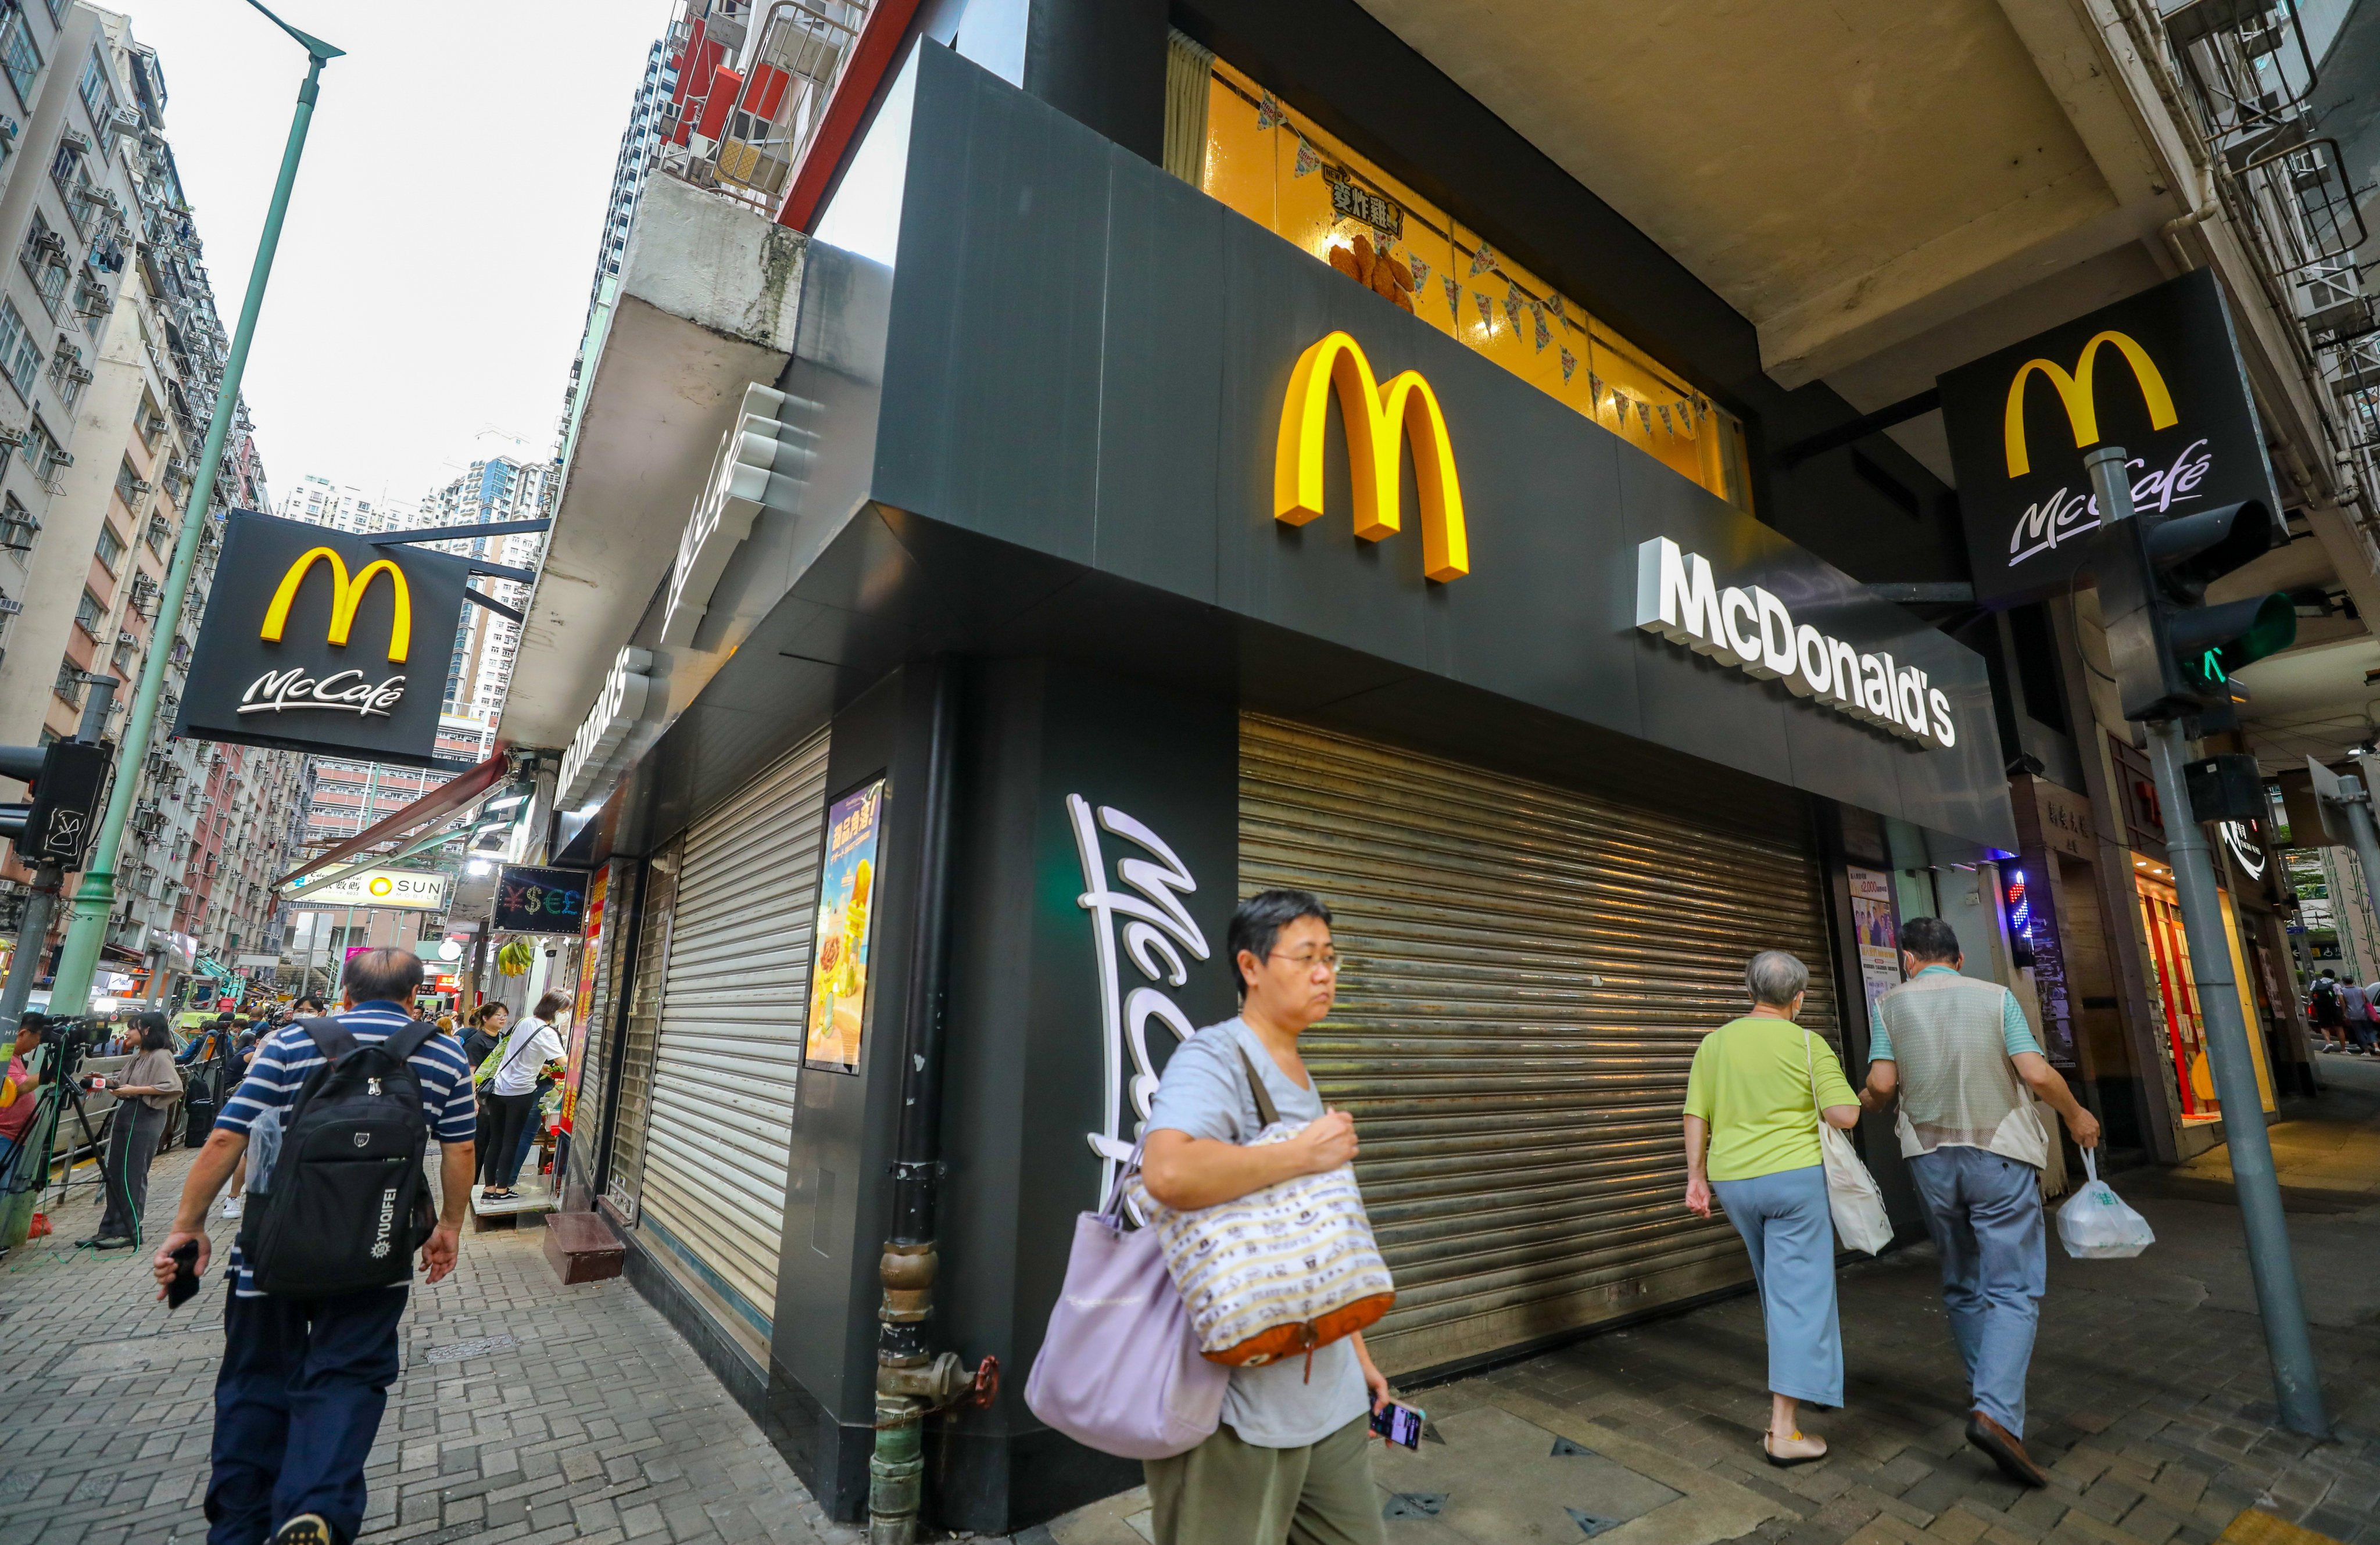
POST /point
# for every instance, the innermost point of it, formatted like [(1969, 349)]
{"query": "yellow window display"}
[(1299, 181)]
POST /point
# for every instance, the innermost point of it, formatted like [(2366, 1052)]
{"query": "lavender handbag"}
[(1120, 1369)]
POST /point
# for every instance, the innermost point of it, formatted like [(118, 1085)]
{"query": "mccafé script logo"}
[(2157, 373), (1752, 630), (297, 689), (1378, 418), (2069, 511)]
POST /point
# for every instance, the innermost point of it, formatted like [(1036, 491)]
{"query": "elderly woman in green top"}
[(1759, 1087)]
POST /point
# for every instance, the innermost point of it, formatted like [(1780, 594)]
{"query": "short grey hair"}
[(1775, 978)]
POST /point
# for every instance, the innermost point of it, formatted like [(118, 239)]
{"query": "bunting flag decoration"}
[(1544, 335), (1487, 312), (1483, 260), (1512, 308), (1593, 390), (1309, 160), (1645, 412), (1570, 363), (1663, 409), (1702, 410), (1454, 295), (1268, 113), (1420, 269), (1554, 304), (1685, 419)]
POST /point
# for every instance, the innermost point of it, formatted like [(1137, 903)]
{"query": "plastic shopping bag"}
[(2096, 1225)]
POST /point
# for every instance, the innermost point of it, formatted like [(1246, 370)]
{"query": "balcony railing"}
[(754, 79)]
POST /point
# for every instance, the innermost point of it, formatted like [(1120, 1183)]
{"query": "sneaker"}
[(2004, 1449), (307, 1528), (233, 1206)]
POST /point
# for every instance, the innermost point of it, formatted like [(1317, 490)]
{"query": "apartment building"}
[(343, 507), (500, 488), (111, 401)]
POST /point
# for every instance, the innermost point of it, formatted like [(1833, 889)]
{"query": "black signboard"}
[(315, 640), (2157, 374), (531, 901)]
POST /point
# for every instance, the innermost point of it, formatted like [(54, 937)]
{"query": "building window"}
[(90, 613), (1293, 177), (130, 484), (159, 534), (21, 357), (152, 422), (111, 548), (98, 94), (40, 448), (20, 58), (69, 683), (18, 527)]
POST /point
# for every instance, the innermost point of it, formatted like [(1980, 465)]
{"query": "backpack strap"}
[(411, 1039), (330, 1038), (1265, 1109)]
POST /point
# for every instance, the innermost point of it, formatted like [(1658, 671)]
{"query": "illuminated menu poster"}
[(838, 1011), (584, 1005), (1879, 934)]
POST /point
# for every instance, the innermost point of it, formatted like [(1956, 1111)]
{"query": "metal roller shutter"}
[(587, 1113), (1529, 972), (627, 1170), (730, 1049)]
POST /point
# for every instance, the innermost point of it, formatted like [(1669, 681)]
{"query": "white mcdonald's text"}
[(349, 692), (1753, 631)]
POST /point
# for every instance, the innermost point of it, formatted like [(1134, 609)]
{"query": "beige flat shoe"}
[(1796, 1449)]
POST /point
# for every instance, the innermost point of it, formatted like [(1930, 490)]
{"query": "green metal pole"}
[(87, 924)]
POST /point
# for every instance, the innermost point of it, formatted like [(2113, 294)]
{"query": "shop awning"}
[(436, 805)]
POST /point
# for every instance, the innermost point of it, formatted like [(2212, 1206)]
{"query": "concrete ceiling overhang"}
[(1847, 176), (705, 305)]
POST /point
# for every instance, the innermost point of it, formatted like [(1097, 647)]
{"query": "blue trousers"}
[(1791, 1235), (1985, 1213), (297, 1403)]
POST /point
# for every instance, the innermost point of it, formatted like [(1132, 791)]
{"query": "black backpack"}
[(347, 1204)]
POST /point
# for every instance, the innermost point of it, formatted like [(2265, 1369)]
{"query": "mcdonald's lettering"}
[(2075, 393), (346, 596), (1750, 628), (1379, 420)]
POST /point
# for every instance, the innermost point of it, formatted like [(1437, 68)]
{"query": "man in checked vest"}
[(1959, 1055)]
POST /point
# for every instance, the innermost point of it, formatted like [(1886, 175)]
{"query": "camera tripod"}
[(62, 1089)]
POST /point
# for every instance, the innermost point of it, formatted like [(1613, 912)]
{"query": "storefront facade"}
[(1051, 622)]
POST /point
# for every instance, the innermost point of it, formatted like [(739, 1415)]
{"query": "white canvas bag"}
[(1281, 1271), (1851, 1194)]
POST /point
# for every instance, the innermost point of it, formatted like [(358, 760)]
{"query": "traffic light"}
[(66, 779), (2173, 654)]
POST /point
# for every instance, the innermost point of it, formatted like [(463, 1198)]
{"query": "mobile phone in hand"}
[(1399, 1424), (184, 1284)]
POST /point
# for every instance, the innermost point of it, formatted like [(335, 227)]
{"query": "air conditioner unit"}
[(75, 140), (127, 121)]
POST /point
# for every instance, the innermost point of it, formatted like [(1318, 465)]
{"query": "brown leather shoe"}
[(2005, 1450)]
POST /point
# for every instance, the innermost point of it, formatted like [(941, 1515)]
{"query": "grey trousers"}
[(1229, 1492), (1985, 1213), (131, 1144)]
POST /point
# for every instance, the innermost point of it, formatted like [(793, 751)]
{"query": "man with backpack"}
[(324, 1255)]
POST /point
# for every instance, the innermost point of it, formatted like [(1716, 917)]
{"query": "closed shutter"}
[(622, 1187), (587, 1111), (730, 1050), (1529, 970)]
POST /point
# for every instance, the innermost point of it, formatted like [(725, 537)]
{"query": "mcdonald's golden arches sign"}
[(316, 640), (2157, 374)]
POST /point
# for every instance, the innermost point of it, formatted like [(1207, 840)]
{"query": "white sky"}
[(433, 271)]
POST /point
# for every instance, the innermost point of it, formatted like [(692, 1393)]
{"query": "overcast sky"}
[(433, 274)]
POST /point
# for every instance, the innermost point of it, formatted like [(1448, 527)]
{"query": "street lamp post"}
[(95, 899)]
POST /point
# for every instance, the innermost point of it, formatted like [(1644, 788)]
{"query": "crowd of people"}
[(2345, 1014), (1951, 1058)]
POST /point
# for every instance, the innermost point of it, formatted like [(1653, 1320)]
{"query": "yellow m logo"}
[(346, 597), (2082, 410), (1378, 420)]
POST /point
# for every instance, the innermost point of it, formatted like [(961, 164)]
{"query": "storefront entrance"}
[(1530, 970)]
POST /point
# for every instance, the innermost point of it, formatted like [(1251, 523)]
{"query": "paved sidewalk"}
[(2151, 1396), (527, 1411)]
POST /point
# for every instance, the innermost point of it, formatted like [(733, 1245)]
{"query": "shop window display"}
[(1274, 165)]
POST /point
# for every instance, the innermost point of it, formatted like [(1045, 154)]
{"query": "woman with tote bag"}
[(1761, 1089)]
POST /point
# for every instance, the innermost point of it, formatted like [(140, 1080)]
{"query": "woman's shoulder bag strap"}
[(1266, 1111)]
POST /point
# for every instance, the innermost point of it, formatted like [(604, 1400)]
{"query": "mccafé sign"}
[(2157, 374), (314, 640), (1745, 626)]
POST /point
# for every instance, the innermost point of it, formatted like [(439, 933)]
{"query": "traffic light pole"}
[(2281, 1303), (26, 964), (95, 900), (2357, 802)]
